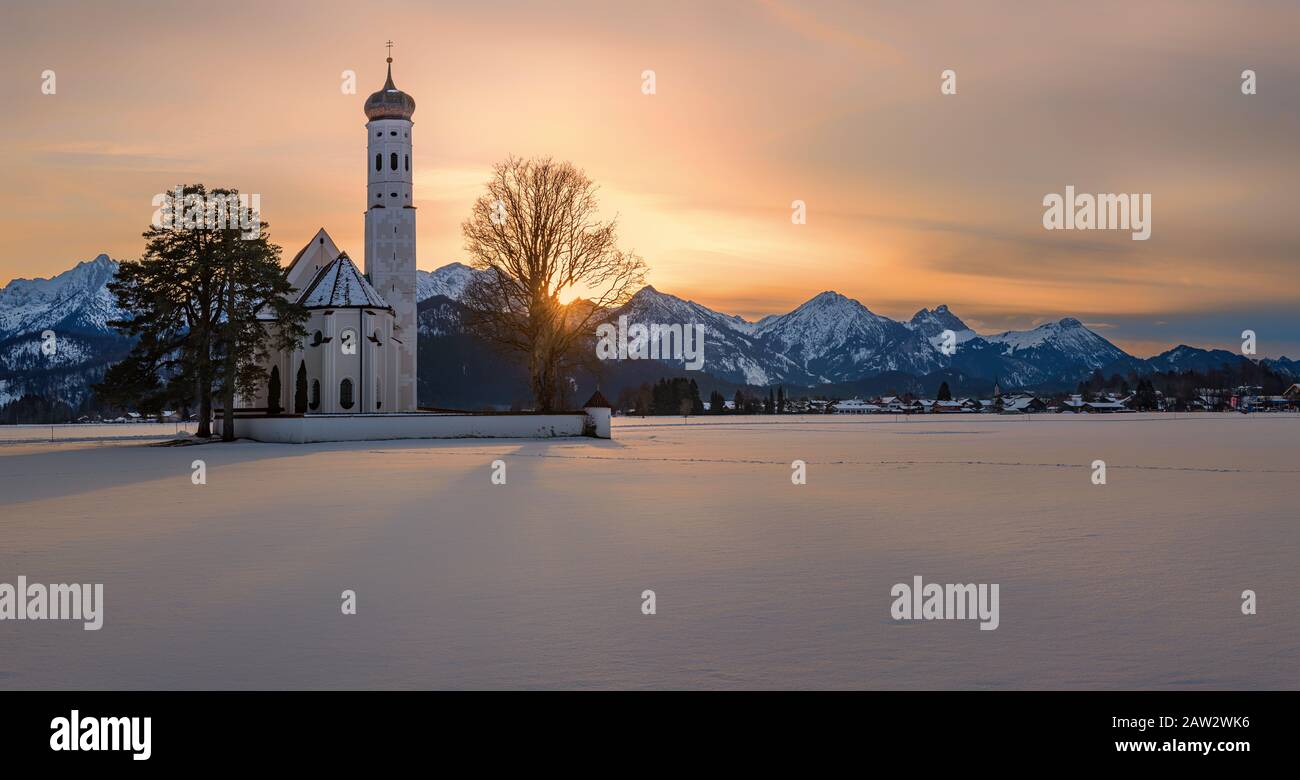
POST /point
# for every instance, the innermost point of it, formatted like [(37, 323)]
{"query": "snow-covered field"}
[(759, 583)]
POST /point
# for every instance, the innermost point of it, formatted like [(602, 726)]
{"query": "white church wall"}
[(314, 355), (361, 427)]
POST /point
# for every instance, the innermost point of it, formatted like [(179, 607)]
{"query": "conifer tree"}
[(300, 389), (273, 392), (206, 304)]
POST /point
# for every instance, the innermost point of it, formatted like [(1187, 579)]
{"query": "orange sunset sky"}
[(914, 198)]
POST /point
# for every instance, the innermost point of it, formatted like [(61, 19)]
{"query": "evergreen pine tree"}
[(195, 297), (273, 392), (300, 389)]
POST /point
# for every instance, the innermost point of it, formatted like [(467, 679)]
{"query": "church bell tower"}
[(390, 225)]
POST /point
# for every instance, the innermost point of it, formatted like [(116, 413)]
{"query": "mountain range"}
[(831, 343)]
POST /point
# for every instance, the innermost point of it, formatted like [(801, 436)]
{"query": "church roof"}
[(390, 102), (340, 285), (320, 238), (597, 399)]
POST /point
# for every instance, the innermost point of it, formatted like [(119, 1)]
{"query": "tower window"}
[(392, 132), (315, 395), (408, 162), (392, 160), (380, 134), (345, 393), (379, 162)]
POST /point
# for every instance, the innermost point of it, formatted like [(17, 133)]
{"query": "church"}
[(353, 377), (359, 356)]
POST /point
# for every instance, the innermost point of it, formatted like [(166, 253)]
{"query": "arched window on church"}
[(345, 393), (392, 160), (379, 404), (379, 162), (314, 403), (408, 162)]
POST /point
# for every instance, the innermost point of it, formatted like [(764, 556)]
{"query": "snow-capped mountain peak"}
[(1014, 340), (1063, 343), (77, 299), (730, 347), (450, 281), (650, 305), (932, 323), (937, 320)]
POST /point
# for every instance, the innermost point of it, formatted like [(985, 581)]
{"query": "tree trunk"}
[(205, 415), (545, 383), (228, 386), (204, 389)]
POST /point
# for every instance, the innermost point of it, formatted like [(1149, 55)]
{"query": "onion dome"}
[(390, 102)]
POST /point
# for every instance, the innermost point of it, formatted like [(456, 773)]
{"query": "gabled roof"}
[(340, 285), (315, 255), (596, 400)]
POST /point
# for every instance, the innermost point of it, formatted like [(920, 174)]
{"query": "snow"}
[(450, 281), (1068, 329), (340, 284), (731, 349), (77, 297), (759, 583), (827, 322)]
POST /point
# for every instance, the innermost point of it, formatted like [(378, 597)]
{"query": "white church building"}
[(354, 376)]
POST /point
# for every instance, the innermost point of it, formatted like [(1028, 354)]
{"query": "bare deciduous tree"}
[(537, 233)]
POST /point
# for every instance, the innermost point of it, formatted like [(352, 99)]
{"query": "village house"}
[(1022, 404), (856, 406)]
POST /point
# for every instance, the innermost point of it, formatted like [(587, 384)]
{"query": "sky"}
[(914, 198)]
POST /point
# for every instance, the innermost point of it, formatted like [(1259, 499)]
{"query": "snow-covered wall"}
[(360, 427)]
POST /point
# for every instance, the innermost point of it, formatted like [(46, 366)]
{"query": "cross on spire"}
[(390, 49)]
